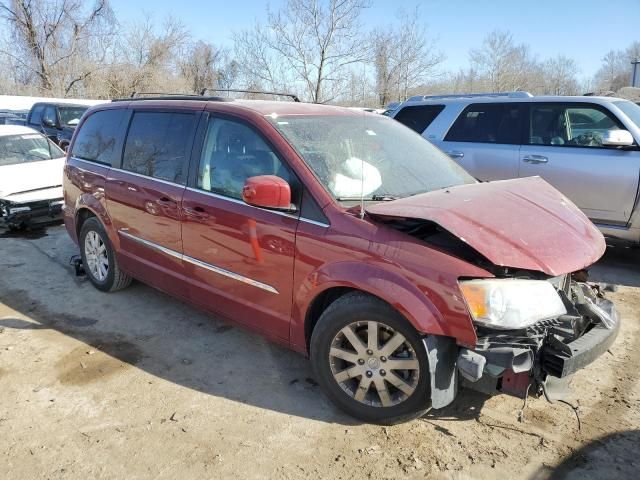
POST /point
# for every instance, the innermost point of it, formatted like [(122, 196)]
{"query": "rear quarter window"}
[(488, 123), (418, 117), (97, 138)]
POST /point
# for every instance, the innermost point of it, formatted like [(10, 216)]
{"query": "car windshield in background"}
[(369, 155), (631, 110), (71, 115), (29, 147)]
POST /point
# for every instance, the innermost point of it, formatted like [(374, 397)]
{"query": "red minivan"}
[(345, 236)]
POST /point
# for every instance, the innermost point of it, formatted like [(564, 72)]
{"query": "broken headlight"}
[(511, 304)]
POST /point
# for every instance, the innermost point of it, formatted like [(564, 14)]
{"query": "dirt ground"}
[(138, 385)]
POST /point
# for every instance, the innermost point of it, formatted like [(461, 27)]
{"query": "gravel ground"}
[(139, 385)]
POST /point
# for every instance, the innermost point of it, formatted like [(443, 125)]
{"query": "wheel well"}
[(81, 217), (319, 305)]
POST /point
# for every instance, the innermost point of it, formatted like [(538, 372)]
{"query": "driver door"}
[(563, 146)]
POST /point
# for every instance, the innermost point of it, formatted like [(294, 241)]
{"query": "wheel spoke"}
[(363, 388), (372, 336), (347, 373), (383, 393), (403, 364), (344, 354), (392, 345), (354, 340), (399, 383)]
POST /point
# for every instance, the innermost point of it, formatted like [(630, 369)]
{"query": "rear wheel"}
[(370, 361), (98, 258)]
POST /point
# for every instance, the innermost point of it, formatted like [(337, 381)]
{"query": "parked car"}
[(56, 120), (586, 147), (30, 178), (10, 118), (253, 210)]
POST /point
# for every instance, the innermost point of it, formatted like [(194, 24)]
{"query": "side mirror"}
[(617, 138), (47, 122), (267, 191)]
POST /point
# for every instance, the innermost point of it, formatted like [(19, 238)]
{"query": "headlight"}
[(511, 304)]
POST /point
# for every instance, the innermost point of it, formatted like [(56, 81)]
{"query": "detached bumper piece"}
[(547, 353), (14, 215)]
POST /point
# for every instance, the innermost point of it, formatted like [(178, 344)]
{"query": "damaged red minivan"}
[(345, 236)]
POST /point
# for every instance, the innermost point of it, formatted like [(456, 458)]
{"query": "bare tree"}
[(504, 65), (560, 76), (615, 71), (56, 41), (308, 43), (404, 57)]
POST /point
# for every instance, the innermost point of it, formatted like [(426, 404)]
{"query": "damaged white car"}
[(30, 178)]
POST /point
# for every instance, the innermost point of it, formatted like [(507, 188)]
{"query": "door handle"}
[(165, 201), (198, 213), (455, 154), (535, 159)]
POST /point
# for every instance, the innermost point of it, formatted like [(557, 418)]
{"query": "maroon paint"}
[(301, 260)]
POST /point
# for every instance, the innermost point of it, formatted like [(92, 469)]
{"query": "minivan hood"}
[(523, 223)]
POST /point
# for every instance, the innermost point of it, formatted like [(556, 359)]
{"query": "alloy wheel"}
[(95, 252), (374, 364)]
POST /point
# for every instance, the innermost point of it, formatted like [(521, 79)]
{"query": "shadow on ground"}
[(620, 265), (612, 457)]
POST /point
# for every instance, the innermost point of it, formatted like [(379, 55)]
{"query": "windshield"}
[(29, 147), (71, 115), (370, 155), (631, 110)]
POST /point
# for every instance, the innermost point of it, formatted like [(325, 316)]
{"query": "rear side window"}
[(488, 123), (36, 115), (418, 117), (158, 145), (97, 137)]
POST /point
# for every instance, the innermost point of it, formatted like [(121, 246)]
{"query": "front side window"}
[(232, 153), (36, 115), (71, 116), (488, 123), (158, 145), (569, 125), (49, 116), (372, 156), (97, 137), (418, 117), (26, 148)]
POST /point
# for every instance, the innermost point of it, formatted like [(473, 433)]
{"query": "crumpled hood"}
[(30, 177), (523, 223)]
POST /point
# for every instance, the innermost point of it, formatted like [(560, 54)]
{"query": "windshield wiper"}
[(372, 198), (28, 154)]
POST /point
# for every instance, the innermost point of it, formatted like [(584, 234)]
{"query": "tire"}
[(109, 277), (355, 312)]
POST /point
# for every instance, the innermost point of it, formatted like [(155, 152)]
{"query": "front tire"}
[(99, 259), (370, 361)]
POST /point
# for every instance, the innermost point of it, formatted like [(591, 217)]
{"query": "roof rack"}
[(471, 95), (255, 92), (136, 96)]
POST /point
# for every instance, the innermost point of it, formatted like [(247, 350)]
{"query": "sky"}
[(584, 30)]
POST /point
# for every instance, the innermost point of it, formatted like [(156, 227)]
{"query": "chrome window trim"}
[(135, 174), (90, 162), (240, 202), (200, 263)]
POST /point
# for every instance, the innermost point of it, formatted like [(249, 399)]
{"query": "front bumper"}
[(513, 362), (43, 212)]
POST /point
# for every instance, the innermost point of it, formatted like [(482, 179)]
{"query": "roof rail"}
[(517, 94), (255, 92), (136, 96)]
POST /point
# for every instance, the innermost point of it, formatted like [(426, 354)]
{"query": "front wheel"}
[(370, 361)]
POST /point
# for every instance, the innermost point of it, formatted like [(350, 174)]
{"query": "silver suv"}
[(587, 147)]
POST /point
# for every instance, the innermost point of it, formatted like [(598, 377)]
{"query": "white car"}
[(30, 177)]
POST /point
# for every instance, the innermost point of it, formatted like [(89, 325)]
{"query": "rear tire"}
[(380, 377), (99, 259)]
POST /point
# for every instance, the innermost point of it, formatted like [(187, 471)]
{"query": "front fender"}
[(380, 281)]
